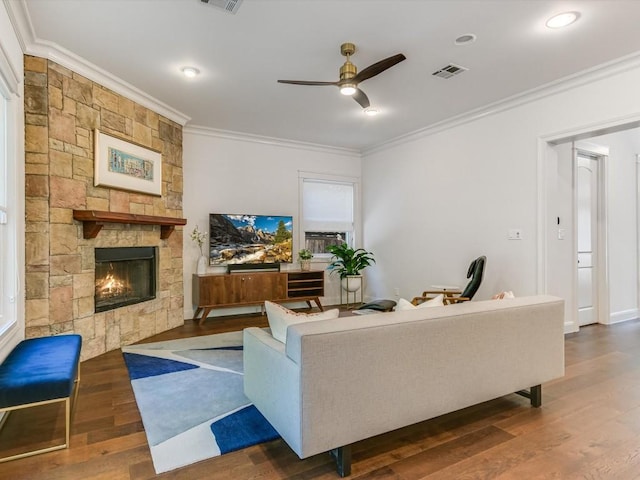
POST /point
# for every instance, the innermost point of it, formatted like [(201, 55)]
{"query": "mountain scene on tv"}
[(237, 239)]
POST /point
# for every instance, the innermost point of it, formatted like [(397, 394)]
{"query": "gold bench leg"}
[(47, 449), (68, 412)]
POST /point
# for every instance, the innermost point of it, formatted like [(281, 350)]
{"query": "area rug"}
[(190, 396)]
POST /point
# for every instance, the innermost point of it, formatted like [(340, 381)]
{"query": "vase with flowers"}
[(199, 238)]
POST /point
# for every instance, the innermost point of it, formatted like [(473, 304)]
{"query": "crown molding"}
[(32, 45), (594, 74), (264, 140), (21, 21), (8, 75)]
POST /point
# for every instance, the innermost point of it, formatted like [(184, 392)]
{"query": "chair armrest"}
[(444, 292), (418, 300), (451, 300)]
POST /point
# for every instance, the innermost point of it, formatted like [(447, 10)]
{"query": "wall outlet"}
[(515, 234), (396, 291), (561, 234)]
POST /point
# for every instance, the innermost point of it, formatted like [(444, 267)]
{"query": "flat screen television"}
[(250, 239)]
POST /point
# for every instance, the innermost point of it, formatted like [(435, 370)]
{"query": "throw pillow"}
[(437, 301), (503, 295), (280, 318)]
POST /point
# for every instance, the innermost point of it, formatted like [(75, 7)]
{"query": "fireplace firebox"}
[(124, 276)]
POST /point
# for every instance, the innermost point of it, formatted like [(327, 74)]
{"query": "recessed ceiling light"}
[(465, 39), (190, 72), (562, 19), (371, 112)]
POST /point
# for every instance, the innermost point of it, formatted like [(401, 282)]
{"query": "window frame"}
[(329, 178), (12, 326), (5, 230)]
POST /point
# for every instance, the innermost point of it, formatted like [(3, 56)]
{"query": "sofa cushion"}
[(437, 301), (280, 318)]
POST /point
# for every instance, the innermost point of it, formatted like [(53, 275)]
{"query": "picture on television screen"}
[(240, 239)]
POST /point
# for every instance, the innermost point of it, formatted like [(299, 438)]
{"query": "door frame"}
[(546, 229), (638, 224), (601, 155)]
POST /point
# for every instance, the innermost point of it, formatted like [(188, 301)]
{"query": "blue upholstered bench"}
[(40, 371)]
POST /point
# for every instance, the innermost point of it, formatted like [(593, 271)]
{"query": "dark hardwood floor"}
[(587, 428)]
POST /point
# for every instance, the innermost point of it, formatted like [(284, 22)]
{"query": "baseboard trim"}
[(624, 316)]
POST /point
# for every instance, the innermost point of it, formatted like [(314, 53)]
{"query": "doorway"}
[(574, 231), (618, 260), (587, 199)]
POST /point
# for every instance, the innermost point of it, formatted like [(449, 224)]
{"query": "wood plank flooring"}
[(587, 428)]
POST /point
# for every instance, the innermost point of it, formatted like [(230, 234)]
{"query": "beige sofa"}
[(339, 381)]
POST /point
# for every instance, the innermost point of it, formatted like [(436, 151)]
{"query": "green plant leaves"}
[(349, 261)]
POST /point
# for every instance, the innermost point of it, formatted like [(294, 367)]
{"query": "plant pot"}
[(351, 283), (201, 266), (305, 265)]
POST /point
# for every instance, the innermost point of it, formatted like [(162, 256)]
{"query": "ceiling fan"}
[(349, 76)]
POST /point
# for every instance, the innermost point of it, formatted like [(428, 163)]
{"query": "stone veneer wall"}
[(62, 109)]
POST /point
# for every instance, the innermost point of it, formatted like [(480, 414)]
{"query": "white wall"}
[(11, 78), (561, 261), (452, 195), (236, 174)]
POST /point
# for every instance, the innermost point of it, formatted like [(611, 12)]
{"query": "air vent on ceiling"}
[(230, 6), (449, 71)]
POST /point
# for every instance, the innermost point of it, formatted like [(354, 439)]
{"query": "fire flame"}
[(110, 286)]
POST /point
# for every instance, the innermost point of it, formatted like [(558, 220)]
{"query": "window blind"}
[(327, 206)]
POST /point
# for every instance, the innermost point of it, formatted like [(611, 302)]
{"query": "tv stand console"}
[(228, 290)]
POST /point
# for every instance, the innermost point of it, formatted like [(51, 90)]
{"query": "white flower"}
[(198, 237)]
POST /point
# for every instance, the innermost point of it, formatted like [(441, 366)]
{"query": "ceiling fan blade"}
[(378, 67), (305, 82), (361, 98)]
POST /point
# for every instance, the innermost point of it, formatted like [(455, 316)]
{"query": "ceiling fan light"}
[(348, 89), (371, 112)]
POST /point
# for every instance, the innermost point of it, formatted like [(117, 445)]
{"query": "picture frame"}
[(126, 166)]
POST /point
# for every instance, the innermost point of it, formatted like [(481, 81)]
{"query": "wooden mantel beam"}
[(94, 220)]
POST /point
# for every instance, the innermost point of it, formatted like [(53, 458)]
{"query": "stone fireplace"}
[(124, 276), (63, 110)]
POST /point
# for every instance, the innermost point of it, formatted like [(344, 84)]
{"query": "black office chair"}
[(475, 273)]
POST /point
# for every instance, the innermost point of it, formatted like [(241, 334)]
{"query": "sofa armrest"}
[(272, 383)]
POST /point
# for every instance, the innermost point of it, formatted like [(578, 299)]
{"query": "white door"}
[(587, 236)]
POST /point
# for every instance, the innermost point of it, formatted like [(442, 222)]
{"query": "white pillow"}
[(280, 318), (436, 301), (503, 295)]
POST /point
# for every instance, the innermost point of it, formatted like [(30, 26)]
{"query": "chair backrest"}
[(476, 273)]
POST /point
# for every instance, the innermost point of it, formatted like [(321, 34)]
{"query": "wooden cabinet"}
[(305, 284), (241, 289), (214, 290), (256, 288)]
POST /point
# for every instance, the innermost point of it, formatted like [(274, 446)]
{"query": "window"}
[(328, 212)]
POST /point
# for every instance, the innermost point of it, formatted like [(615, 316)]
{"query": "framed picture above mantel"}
[(127, 166)]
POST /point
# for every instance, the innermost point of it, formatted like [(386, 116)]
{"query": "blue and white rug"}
[(190, 396)]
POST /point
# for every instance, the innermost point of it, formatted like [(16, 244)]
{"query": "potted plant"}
[(304, 257), (348, 263)]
